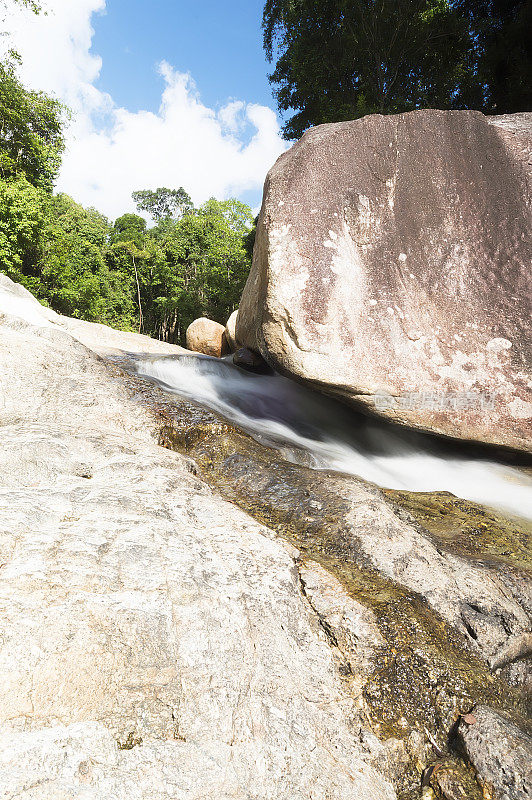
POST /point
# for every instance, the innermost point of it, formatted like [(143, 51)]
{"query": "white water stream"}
[(281, 413)]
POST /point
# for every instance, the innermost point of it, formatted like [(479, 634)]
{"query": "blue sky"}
[(162, 93), (219, 43)]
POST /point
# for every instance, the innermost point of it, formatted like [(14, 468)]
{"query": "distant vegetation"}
[(341, 59), (191, 262), (156, 279)]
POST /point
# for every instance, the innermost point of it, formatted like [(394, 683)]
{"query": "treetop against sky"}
[(163, 94)]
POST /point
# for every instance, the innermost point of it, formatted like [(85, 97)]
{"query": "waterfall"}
[(308, 427)]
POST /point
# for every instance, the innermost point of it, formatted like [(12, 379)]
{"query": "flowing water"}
[(311, 428)]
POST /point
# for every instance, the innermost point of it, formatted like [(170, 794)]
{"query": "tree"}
[(22, 217), (85, 223), (125, 259), (31, 137), (342, 59), (194, 266), (129, 228), (213, 261), (163, 204), (155, 280), (500, 33), (74, 277)]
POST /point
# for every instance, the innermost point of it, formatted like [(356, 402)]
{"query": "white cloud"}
[(112, 151), (231, 115)]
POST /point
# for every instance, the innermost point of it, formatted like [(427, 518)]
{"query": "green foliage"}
[(75, 278), (31, 139), (129, 228), (124, 275), (500, 30), (193, 262), (163, 204), (7, 5), (342, 59), (72, 218), (31, 4), (195, 266), (57, 249), (22, 216)]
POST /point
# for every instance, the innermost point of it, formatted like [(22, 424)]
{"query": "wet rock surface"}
[(468, 529), (500, 752), (449, 779), (251, 362), (155, 641), (485, 604), (427, 671), (338, 667), (392, 268)]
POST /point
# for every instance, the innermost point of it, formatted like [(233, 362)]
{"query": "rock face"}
[(251, 361), (207, 337), (155, 641), (487, 602), (230, 331), (500, 752), (467, 612), (392, 268)]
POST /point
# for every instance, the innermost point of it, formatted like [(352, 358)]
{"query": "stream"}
[(309, 428)]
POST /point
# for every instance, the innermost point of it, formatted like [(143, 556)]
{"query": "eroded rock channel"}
[(424, 598)]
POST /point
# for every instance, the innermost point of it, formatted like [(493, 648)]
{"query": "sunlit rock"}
[(500, 752), (154, 639), (392, 268), (230, 331), (207, 337)]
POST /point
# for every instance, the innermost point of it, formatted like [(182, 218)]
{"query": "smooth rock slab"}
[(138, 610)]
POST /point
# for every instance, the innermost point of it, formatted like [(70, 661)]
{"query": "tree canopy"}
[(31, 137), (501, 38), (129, 228), (163, 203), (191, 262), (157, 280), (341, 59)]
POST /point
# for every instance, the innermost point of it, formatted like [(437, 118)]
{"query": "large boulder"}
[(392, 268), (230, 331), (207, 337)]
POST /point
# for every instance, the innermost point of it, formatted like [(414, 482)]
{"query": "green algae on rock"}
[(427, 674), (425, 661), (469, 530)]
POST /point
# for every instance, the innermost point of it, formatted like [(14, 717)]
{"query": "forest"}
[(334, 60), (156, 279)]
